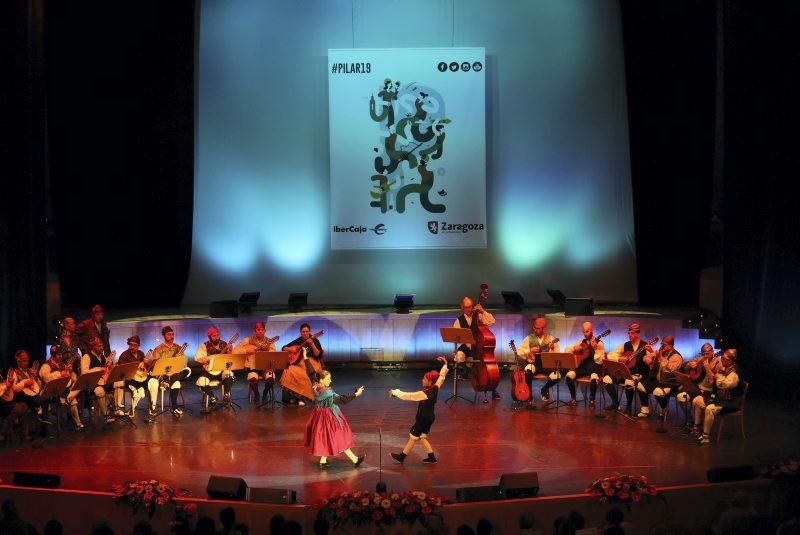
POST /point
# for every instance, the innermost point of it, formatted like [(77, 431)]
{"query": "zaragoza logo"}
[(433, 227)]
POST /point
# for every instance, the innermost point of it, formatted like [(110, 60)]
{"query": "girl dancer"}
[(327, 431), (431, 383)]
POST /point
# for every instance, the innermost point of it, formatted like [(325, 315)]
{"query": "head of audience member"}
[(292, 527), (227, 517), (464, 529), (526, 521), (142, 527), (484, 527), (53, 527), (276, 524), (614, 516), (321, 526)]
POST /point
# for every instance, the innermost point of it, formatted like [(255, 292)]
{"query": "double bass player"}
[(471, 317)]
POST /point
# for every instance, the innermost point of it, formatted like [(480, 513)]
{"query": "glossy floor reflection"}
[(475, 444)]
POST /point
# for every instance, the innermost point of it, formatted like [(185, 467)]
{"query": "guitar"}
[(207, 366), (8, 395), (519, 387), (695, 372), (251, 349), (296, 352), (583, 351), (144, 367), (109, 365), (631, 358)]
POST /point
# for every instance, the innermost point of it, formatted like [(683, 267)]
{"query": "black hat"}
[(55, 350), (166, 330), (134, 339)]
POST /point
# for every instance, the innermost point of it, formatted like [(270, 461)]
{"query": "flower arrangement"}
[(146, 494), (363, 507), (624, 489)]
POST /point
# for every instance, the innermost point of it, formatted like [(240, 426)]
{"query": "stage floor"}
[(475, 444)]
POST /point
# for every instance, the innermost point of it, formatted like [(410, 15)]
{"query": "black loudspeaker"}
[(520, 485), (226, 488), (223, 309), (731, 473), (263, 495), (478, 494), (33, 479), (579, 306)]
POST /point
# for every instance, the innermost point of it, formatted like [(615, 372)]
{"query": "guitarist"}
[(137, 386), (167, 349), (662, 363), (207, 379), (633, 345), (56, 368), (529, 354), (591, 366), (96, 360), (471, 316), (250, 344), (307, 353), (700, 366)]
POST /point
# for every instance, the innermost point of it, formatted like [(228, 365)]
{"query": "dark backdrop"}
[(102, 130)]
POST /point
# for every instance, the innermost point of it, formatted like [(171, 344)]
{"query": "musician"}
[(432, 381), (139, 384), (699, 365), (93, 361), (56, 368), (250, 344), (305, 368), (11, 410), (167, 349), (659, 380), (94, 327), (209, 378), (467, 320), (530, 351), (69, 342), (590, 367), (633, 345), (724, 397)]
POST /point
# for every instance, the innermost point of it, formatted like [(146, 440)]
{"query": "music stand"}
[(123, 372), (270, 361), (229, 362), (692, 391), (54, 389), (164, 367), (621, 373), (557, 362), (457, 336)]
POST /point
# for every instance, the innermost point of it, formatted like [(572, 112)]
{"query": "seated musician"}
[(208, 377), (590, 366), (727, 391), (249, 345), (530, 351), (659, 381), (471, 316), (698, 367), (139, 384), (97, 360), (621, 352), (12, 412), (58, 367), (168, 349), (306, 364)]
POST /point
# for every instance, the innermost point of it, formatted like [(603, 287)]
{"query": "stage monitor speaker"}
[(264, 495), (224, 309), (732, 473), (478, 494), (34, 479), (519, 485), (226, 488), (579, 306)]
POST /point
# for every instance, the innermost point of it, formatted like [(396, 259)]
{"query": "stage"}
[(475, 444)]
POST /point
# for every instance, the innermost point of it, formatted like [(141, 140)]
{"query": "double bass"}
[(486, 373), (519, 387)]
